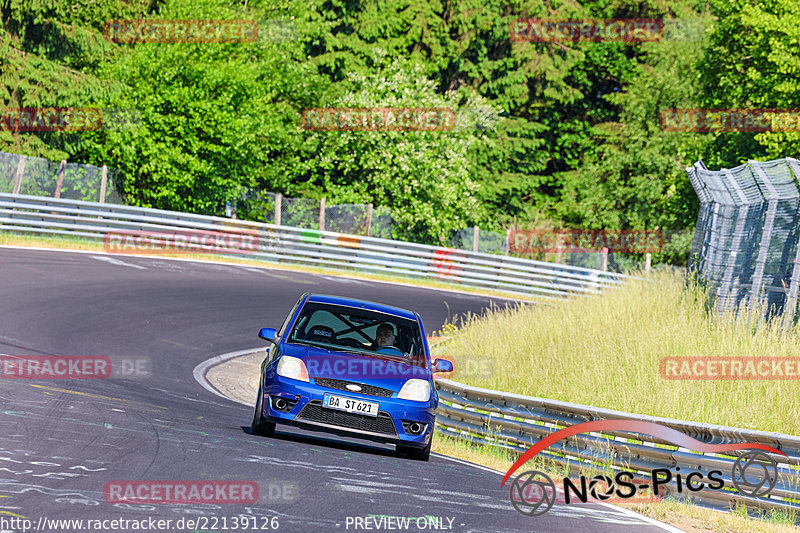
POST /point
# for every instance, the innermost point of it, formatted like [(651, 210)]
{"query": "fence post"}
[(20, 170), (278, 206), (604, 255), (369, 219), (476, 232), (103, 184), (322, 214), (508, 240), (648, 257), (62, 167)]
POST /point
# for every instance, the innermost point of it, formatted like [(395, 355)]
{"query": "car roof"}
[(362, 304)]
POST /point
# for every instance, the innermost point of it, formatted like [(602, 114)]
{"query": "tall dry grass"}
[(605, 351)]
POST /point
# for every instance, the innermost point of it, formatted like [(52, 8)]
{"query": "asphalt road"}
[(63, 441)]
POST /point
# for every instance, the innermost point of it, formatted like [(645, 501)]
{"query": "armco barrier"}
[(284, 244), (515, 423)]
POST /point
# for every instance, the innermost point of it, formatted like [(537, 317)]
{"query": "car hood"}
[(384, 372)]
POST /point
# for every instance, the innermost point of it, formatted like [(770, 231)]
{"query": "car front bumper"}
[(307, 412)]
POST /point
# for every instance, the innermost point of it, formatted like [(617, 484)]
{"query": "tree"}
[(752, 62), (423, 176), (214, 118)]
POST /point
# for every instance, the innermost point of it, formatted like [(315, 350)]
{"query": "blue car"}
[(352, 368)]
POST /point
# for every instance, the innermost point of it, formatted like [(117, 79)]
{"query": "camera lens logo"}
[(754, 474), (532, 493)]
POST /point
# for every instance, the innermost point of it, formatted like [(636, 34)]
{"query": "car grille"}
[(339, 384), (314, 412)]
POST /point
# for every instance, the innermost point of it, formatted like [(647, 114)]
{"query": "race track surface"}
[(62, 441)]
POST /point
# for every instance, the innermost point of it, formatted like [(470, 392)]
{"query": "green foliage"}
[(216, 117), (752, 62), (563, 132), (423, 176)]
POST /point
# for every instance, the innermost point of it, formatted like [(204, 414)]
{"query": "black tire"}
[(261, 427), (417, 454)]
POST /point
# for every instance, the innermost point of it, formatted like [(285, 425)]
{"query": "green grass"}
[(605, 351)]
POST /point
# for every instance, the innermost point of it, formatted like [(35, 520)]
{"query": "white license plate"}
[(351, 405)]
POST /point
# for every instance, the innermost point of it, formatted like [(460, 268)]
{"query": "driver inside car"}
[(384, 340)]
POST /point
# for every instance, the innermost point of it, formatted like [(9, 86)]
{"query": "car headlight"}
[(417, 390), (292, 368)]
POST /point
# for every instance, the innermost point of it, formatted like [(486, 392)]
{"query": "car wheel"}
[(417, 454), (260, 426), (423, 454)]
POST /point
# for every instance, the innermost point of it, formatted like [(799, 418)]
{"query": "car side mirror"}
[(442, 365), (268, 334)]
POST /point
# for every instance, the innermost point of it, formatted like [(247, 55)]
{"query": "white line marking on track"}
[(118, 262)]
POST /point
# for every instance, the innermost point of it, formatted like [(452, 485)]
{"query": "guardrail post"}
[(369, 220), (604, 255), (475, 236), (62, 167), (18, 177), (103, 184), (322, 214), (648, 257), (278, 204)]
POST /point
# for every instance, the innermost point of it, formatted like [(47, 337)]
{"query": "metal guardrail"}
[(515, 423), (284, 244)]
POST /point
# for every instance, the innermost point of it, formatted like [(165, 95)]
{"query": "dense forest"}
[(563, 134)]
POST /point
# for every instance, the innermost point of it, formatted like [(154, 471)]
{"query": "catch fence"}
[(745, 247)]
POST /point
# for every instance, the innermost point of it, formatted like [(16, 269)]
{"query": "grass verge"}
[(606, 351)]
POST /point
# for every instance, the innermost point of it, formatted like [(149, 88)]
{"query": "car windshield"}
[(360, 331)]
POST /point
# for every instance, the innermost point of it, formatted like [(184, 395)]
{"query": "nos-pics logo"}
[(533, 493)]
